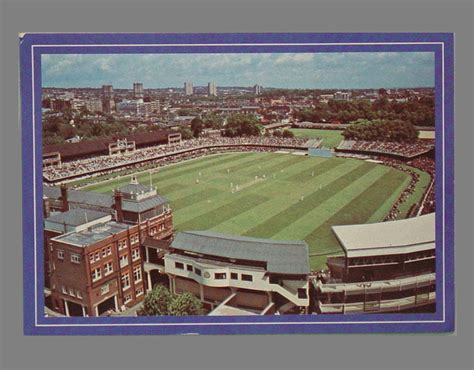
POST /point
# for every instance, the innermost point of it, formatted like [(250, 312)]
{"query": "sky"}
[(283, 70)]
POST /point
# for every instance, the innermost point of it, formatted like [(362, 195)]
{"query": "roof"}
[(92, 147), (392, 237), (134, 188), (142, 205), (282, 257), (92, 235), (79, 196), (156, 243), (76, 216)]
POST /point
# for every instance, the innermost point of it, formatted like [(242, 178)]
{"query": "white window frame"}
[(75, 258), (122, 244), (135, 254), (107, 270), (137, 271), (125, 277), (134, 239), (96, 274), (139, 292), (71, 292), (60, 254), (63, 289), (127, 298), (123, 260), (78, 294)]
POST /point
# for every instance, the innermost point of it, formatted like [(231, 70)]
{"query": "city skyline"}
[(276, 70)]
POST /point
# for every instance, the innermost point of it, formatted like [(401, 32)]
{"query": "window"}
[(104, 289), (123, 260), (139, 292), (125, 281), (246, 277), (63, 289), (91, 258), (127, 298), (75, 258), (104, 253), (108, 268), (197, 271), (78, 294), (71, 292), (109, 251), (179, 265), (220, 275), (137, 274), (135, 254), (97, 256), (234, 276), (134, 239), (96, 274), (122, 244), (60, 254), (189, 268)]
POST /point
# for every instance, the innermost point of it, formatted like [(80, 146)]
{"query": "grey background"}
[(287, 352)]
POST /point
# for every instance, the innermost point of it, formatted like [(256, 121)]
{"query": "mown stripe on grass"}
[(282, 194), (168, 170), (318, 169), (275, 167), (203, 166), (299, 209), (194, 198), (356, 212), (171, 188), (301, 227), (226, 211), (251, 159)]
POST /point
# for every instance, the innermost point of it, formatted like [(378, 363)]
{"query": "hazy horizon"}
[(364, 70)]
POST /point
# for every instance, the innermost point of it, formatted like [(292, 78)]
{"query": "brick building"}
[(94, 250)]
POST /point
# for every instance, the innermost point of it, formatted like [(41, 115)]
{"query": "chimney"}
[(64, 197), (46, 208), (118, 205)]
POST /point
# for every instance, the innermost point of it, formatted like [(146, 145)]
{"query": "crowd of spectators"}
[(427, 165), (407, 150), (163, 154)]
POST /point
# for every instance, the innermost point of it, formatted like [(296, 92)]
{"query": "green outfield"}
[(331, 138), (280, 196)]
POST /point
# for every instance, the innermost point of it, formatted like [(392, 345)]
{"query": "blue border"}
[(140, 43)]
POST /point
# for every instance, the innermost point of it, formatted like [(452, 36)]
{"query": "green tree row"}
[(417, 112), (160, 301), (381, 130)]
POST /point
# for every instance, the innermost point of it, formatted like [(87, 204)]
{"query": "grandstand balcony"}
[(376, 296), (390, 305)]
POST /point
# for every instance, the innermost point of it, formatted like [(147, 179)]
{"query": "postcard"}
[(237, 183)]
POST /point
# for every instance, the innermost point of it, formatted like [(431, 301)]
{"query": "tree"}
[(287, 133), (196, 126), (157, 302), (186, 133), (185, 304), (242, 125)]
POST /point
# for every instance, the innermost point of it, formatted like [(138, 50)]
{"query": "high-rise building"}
[(138, 90), (108, 103), (107, 91), (257, 89), (211, 89), (188, 88)]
